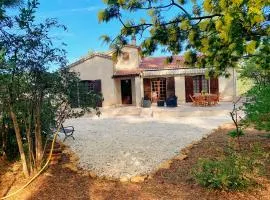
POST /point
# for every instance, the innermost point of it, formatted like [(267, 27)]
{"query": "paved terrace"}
[(130, 141)]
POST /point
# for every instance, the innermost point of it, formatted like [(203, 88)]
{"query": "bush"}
[(235, 171), (257, 107)]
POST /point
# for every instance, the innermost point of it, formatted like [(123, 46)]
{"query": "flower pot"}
[(146, 103), (160, 103)]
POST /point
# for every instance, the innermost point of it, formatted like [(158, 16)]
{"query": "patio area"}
[(129, 141)]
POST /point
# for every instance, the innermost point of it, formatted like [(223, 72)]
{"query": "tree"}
[(220, 31), (33, 97), (256, 107)]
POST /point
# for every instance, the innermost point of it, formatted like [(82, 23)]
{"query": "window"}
[(196, 84), (200, 83), (91, 85), (125, 56), (79, 95), (204, 84)]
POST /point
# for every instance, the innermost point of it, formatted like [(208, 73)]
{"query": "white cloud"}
[(87, 9), (64, 12)]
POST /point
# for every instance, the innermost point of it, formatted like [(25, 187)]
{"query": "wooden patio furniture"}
[(202, 100), (194, 102)]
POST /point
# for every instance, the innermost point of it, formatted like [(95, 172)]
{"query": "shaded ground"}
[(63, 181)]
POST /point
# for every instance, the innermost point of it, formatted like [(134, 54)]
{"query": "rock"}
[(165, 165), (124, 179), (92, 175), (138, 179), (180, 157)]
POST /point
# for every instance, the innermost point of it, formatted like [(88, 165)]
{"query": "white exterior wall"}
[(138, 90), (132, 63), (133, 90), (227, 86), (117, 83), (99, 68), (180, 88)]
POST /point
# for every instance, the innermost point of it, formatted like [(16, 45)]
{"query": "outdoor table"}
[(206, 99)]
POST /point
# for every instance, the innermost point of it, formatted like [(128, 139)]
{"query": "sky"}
[(84, 30)]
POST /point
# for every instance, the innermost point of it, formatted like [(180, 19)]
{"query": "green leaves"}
[(105, 38), (257, 107), (223, 31), (235, 133), (234, 171)]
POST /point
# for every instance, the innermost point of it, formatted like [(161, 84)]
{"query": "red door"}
[(189, 88), (214, 88)]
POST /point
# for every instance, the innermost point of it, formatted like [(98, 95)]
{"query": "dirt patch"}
[(65, 181)]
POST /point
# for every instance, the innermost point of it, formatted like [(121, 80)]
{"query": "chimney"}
[(133, 40)]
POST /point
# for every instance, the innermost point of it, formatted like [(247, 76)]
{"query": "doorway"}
[(126, 91), (158, 86)]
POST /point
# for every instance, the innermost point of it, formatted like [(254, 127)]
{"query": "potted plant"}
[(160, 103), (171, 101), (146, 102)]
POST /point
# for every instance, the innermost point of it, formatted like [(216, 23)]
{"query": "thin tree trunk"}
[(38, 138), (4, 139), (30, 147), (19, 141)]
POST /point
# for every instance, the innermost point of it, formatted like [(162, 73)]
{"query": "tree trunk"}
[(19, 141), (38, 138), (30, 147), (4, 139)]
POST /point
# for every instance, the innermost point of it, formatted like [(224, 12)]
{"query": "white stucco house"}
[(132, 77)]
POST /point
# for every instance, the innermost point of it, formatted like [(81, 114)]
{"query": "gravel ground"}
[(121, 147)]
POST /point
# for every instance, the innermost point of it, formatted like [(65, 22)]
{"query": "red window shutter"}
[(97, 88), (147, 87), (189, 88), (170, 87), (214, 87)]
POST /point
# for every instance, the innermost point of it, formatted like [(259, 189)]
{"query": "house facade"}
[(132, 78)]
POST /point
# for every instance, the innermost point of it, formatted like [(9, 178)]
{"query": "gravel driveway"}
[(120, 147)]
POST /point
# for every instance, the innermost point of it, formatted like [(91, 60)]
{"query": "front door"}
[(158, 89), (126, 91)]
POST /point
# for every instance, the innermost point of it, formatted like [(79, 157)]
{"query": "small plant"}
[(238, 132), (235, 133), (235, 171)]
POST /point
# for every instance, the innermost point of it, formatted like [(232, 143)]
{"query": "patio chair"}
[(194, 102), (211, 99), (216, 99), (201, 100)]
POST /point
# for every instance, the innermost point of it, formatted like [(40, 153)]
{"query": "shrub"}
[(257, 107), (234, 171)]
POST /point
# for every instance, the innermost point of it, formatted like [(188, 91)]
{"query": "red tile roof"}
[(127, 72), (160, 63)]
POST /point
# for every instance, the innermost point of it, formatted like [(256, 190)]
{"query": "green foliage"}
[(223, 31), (257, 107), (234, 171), (235, 133), (32, 97), (257, 68)]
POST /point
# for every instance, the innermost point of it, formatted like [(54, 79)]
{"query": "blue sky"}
[(84, 31), (80, 17)]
